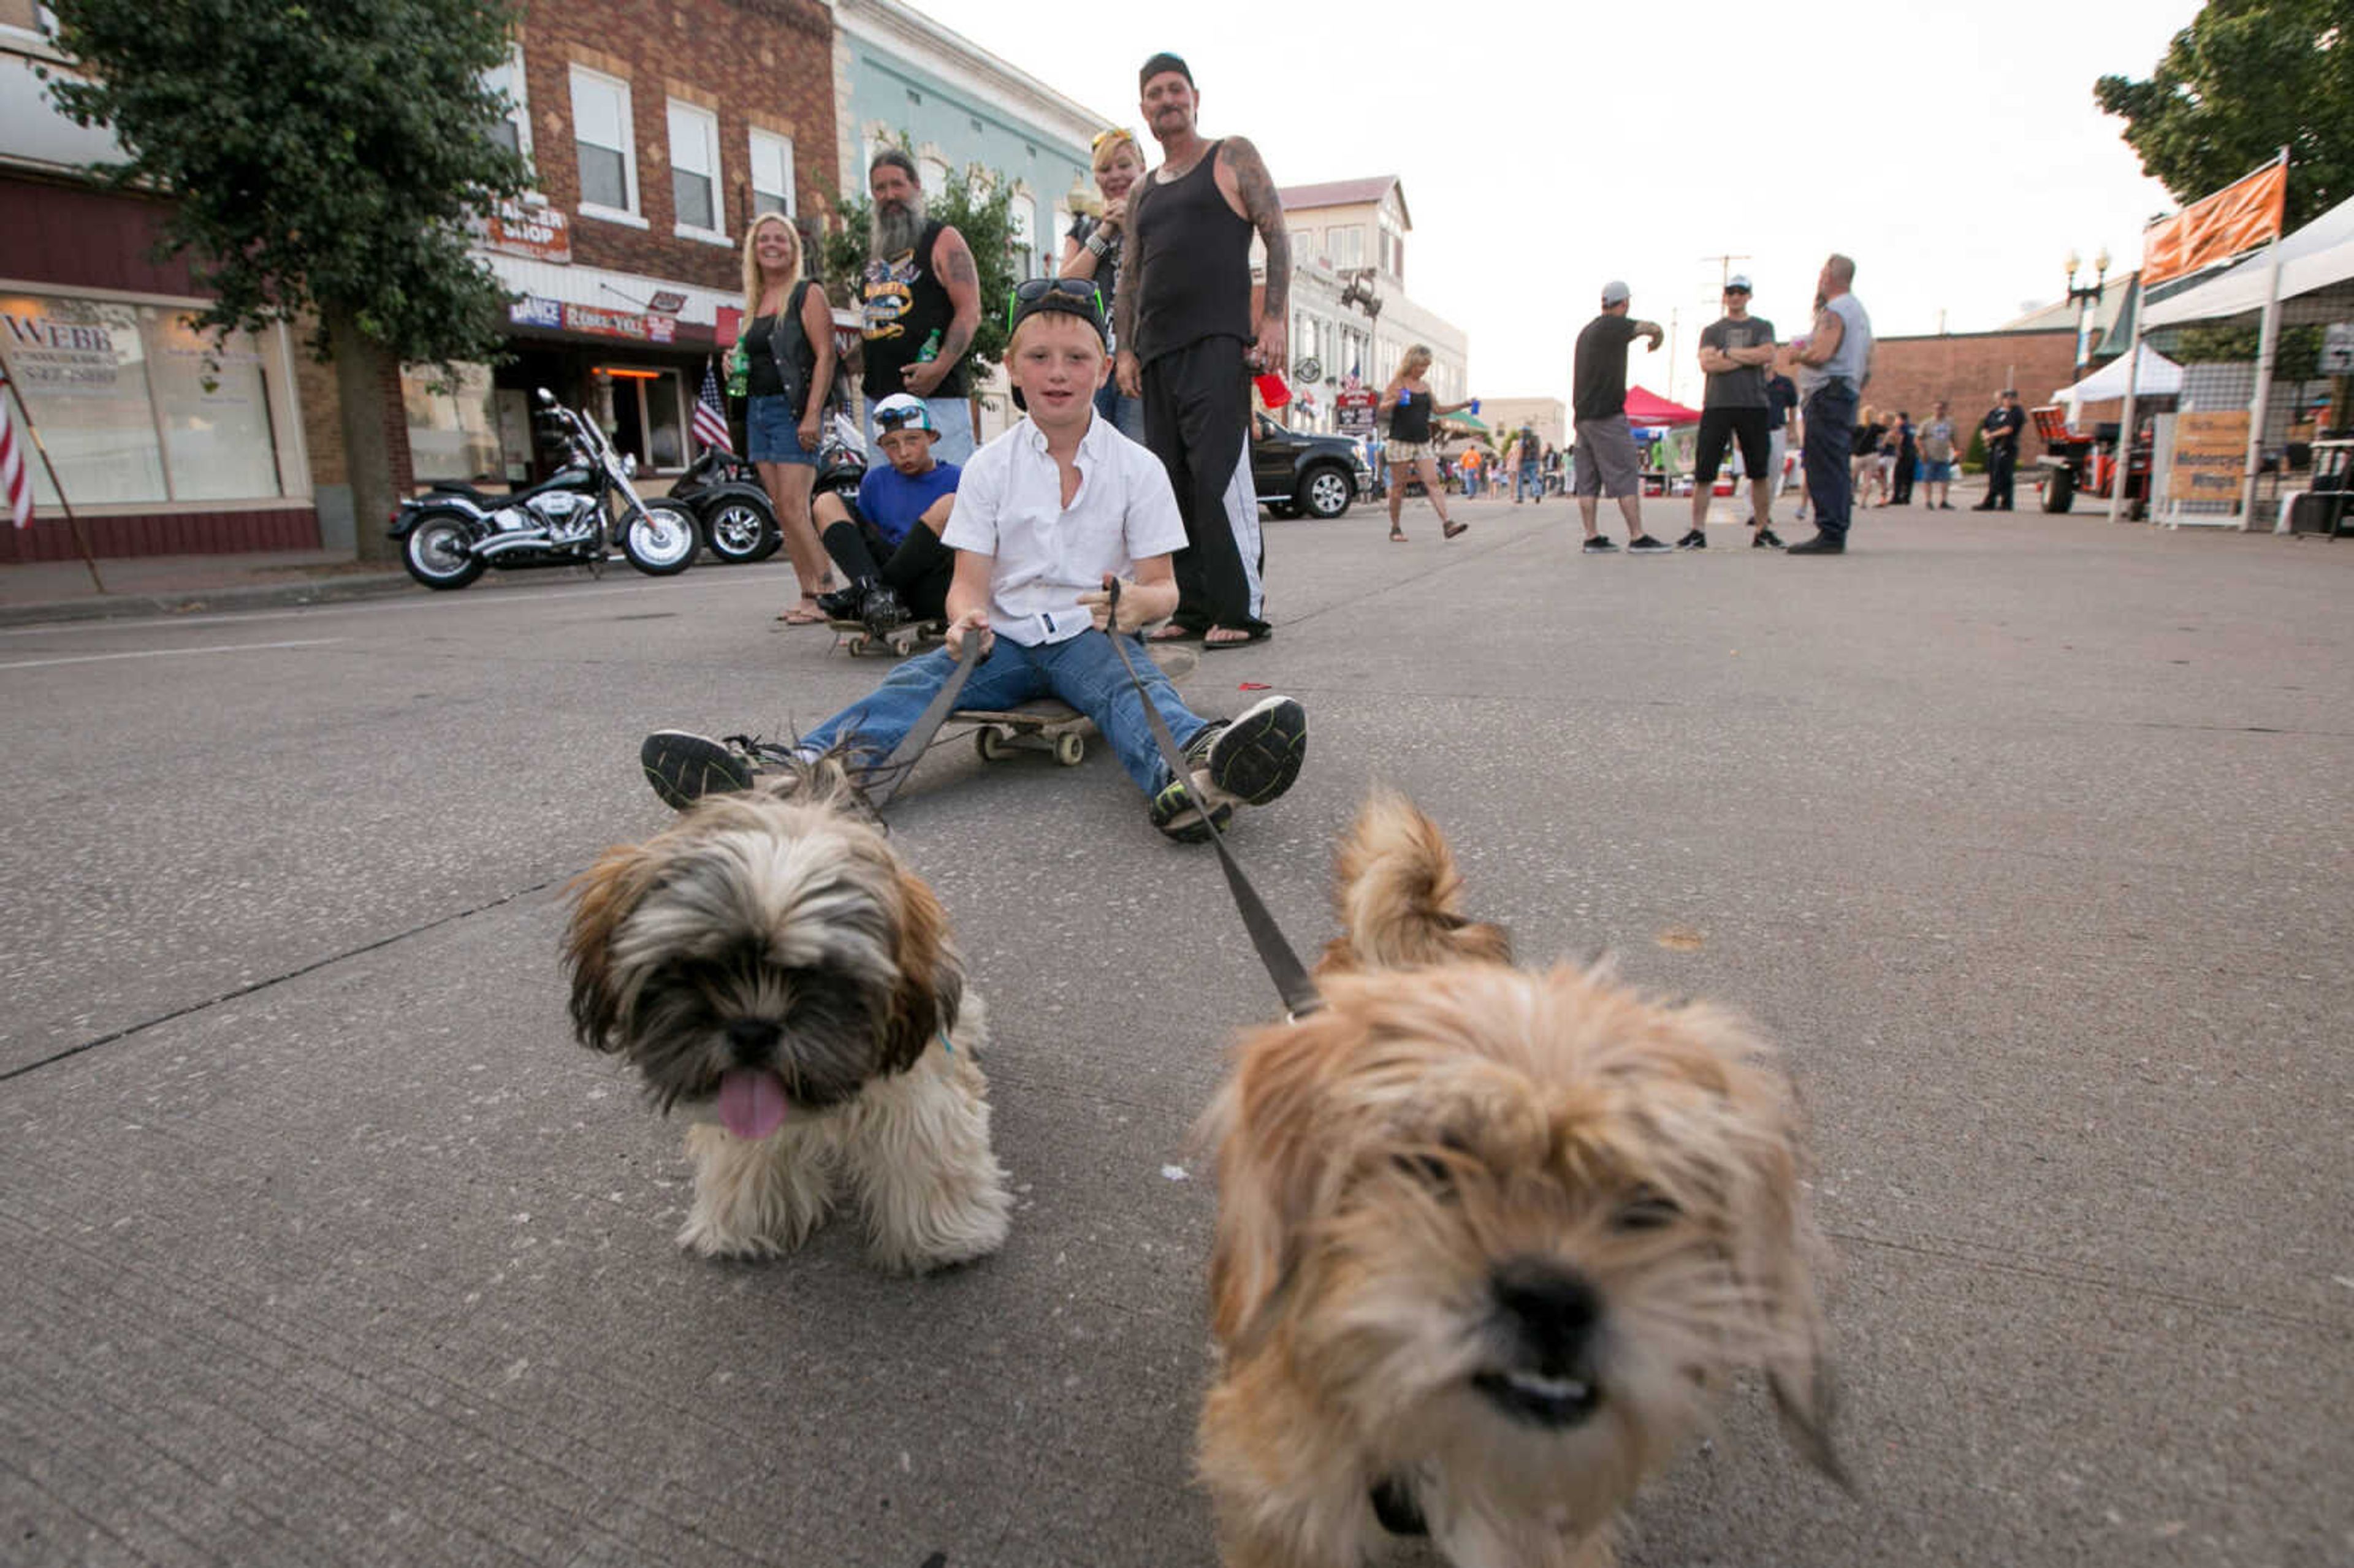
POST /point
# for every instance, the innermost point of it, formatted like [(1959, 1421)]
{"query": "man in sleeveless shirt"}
[(921, 300), (1189, 339), (1834, 361)]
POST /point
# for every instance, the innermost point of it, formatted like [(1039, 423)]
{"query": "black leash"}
[(1283, 966), (896, 768)]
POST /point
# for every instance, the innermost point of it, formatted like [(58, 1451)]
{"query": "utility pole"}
[(1724, 268)]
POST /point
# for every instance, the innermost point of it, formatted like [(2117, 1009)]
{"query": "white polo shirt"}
[(1009, 505)]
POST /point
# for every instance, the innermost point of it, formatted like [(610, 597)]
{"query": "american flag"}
[(711, 414), (16, 479)]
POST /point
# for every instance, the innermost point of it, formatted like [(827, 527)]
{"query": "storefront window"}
[(136, 407), (453, 430), (214, 405), (647, 415)]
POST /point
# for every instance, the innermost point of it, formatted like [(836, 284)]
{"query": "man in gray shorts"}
[(1605, 448)]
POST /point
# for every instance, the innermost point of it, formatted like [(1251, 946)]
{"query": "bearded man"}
[(921, 302)]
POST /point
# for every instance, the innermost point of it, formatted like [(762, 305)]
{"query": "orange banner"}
[(2238, 217)]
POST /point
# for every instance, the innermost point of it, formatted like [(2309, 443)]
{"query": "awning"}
[(1646, 407), (2160, 377)]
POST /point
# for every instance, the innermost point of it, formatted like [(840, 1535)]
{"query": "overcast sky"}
[(1954, 151)]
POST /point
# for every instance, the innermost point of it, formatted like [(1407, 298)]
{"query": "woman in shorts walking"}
[(1412, 449)]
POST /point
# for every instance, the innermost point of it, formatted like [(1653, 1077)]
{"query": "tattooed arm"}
[(1250, 189), (1128, 371), (953, 259)]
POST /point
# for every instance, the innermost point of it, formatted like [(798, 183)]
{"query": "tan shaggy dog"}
[(769, 967), (1488, 1240)]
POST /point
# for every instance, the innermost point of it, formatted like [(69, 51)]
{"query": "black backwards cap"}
[(1164, 61)]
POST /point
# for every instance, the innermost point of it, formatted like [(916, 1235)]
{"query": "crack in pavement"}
[(252, 986)]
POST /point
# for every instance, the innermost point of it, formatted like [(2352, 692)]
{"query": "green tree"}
[(2297, 356), (323, 159), (978, 206), (2245, 79)]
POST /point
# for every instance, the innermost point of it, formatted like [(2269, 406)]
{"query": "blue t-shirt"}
[(892, 500)]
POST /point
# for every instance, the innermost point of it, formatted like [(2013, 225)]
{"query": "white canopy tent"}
[(2160, 377), (2315, 257)]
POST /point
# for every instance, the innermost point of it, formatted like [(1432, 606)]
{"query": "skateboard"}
[(899, 641), (1050, 724)]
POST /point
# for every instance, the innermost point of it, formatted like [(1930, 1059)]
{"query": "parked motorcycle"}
[(738, 519), (453, 531)]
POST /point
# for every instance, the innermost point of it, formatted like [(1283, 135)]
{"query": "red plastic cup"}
[(1272, 390)]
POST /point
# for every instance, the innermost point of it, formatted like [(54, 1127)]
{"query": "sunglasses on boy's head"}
[(889, 420), (1077, 292)]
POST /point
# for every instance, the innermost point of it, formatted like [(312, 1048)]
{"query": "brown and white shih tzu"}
[(1489, 1240), (769, 967)]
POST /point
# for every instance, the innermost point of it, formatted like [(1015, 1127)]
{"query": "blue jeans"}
[(1082, 671), (1831, 442), (1526, 482), (1125, 414)]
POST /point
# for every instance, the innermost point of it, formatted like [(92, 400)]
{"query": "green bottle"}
[(931, 349)]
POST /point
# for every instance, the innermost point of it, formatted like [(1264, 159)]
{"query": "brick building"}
[(656, 130), (164, 443), (1969, 369)]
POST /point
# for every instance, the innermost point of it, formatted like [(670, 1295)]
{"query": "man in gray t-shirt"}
[(1738, 352)]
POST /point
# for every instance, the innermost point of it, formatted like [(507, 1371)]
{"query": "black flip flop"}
[(1261, 635)]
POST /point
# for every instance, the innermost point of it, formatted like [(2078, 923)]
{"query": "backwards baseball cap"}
[(1614, 292), (1078, 297), (903, 411), (1164, 61), (1738, 280)]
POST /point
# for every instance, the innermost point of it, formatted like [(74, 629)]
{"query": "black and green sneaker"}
[(1174, 813), (683, 768), (1256, 756)]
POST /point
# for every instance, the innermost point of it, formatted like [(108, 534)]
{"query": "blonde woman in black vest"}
[(788, 342)]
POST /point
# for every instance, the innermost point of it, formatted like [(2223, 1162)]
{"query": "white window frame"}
[(752, 145), (704, 123), (631, 214), (1022, 228), (511, 76)]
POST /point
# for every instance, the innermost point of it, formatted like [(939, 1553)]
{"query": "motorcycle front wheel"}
[(661, 539), (437, 551), (742, 531)]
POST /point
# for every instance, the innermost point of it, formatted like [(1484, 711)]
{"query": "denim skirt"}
[(773, 432)]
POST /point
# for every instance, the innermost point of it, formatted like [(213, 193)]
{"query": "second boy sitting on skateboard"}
[(888, 543), (1045, 517)]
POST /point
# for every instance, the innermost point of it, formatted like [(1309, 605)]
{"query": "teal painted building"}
[(899, 74)]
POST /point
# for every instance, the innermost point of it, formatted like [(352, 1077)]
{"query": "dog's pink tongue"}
[(751, 1102)]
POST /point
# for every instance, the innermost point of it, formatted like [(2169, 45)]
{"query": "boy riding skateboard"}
[(1046, 517)]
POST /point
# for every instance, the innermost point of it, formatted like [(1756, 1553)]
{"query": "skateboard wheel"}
[(990, 741), (1070, 750), (857, 644)]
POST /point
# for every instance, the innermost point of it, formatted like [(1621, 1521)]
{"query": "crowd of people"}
[(1122, 505), (1119, 508)]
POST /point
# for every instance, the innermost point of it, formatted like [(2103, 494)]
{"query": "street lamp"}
[(2084, 298)]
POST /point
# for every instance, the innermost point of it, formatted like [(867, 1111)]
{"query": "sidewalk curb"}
[(126, 606)]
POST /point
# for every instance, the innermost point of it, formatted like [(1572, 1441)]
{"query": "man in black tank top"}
[(1189, 342)]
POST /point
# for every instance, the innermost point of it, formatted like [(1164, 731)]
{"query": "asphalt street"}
[(2029, 839)]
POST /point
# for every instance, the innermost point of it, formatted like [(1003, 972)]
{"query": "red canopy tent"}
[(1648, 408)]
